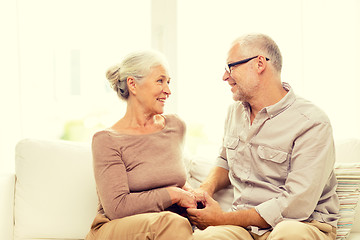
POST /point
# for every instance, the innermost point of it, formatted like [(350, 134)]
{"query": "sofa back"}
[(55, 193)]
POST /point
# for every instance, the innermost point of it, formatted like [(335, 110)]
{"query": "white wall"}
[(319, 40), (331, 39), (206, 29)]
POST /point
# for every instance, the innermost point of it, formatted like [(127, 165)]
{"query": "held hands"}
[(181, 197), (202, 209), (210, 215)]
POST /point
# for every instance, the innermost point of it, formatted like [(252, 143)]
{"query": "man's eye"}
[(160, 80)]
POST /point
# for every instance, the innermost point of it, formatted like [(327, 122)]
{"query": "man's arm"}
[(217, 179), (212, 215)]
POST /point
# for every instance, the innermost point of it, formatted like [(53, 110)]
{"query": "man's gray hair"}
[(261, 44)]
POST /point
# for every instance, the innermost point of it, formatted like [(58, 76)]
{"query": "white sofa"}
[(53, 194)]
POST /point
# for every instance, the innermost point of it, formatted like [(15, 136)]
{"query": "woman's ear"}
[(131, 85)]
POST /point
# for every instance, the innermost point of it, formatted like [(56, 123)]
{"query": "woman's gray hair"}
[(262, 44), (137, 65)]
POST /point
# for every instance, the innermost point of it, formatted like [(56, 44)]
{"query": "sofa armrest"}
[(7, 183)]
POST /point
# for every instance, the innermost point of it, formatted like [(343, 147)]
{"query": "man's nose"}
[(226, 76)]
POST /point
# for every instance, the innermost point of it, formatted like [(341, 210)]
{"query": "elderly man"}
[(277, 153)]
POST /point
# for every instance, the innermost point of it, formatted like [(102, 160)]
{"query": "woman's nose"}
[(167, 90)]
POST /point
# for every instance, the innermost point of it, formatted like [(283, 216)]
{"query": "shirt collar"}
[(284, 103), (280, 106)]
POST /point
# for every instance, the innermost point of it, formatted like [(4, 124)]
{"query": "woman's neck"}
[(138, 121)]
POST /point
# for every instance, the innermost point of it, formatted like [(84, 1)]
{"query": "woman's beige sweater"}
[(132, 171)]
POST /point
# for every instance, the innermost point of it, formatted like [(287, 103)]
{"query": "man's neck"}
[(265, 99)]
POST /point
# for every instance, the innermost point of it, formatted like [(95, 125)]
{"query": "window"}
[(65, 49)]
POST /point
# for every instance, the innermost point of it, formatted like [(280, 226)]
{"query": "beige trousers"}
[(171, 226), (148, 226), (286, 230)]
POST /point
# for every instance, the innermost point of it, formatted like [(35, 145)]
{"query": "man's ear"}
[(261, 64), (131, 85)]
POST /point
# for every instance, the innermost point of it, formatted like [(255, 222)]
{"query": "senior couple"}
[(277, 153)]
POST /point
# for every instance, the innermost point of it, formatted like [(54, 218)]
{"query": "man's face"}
[(240, 77)]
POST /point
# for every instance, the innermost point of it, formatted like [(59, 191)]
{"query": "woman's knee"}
[(170, 225), (172, 220)]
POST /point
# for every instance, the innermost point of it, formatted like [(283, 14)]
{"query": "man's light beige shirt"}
[(283, 163)]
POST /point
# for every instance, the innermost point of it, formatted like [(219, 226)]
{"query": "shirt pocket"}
[(231, 144), (272, 164)]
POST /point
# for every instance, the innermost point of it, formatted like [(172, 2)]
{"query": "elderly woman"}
[(138, 165)]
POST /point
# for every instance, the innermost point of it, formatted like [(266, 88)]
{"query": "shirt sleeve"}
[(112, 183), (221, 160), (311, 166)]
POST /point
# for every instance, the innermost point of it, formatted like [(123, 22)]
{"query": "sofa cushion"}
[(55, 193)]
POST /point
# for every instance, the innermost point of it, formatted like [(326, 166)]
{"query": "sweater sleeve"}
[(112, 183)]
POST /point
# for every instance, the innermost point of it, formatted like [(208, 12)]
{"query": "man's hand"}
[(211, 215)]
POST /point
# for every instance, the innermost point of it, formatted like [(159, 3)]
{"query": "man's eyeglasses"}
[(230, 65)]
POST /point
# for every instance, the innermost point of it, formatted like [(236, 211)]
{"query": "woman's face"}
[(153, 91)]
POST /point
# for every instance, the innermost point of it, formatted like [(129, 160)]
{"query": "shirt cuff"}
[(270, 212), (220, 162)]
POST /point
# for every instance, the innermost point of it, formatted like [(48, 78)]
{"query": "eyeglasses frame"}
[(228, 69)]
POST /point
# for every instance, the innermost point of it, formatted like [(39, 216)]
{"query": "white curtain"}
[(10, 125)]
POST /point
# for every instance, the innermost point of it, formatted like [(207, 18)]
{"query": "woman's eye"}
[(160, 80)]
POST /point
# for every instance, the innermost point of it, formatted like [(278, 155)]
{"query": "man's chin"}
[(239, 98), (236, 97)]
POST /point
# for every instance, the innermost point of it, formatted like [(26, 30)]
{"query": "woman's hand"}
[(198, 193), (181, 197)]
